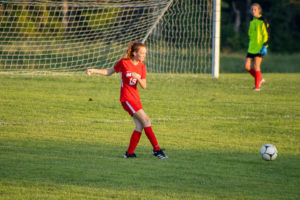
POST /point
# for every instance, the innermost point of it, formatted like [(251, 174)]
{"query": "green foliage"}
[(55, 144), (45, 21), (231, 41), (24, 21), (102, 20), (285, 31)]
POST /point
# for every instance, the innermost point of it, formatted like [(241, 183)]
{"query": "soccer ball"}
[(268, 152)]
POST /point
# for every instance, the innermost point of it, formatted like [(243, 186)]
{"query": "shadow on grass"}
[(187, 173)]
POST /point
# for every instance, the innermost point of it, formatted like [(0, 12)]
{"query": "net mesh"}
[(74, 35)]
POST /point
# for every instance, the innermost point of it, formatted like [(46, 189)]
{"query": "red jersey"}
[(129, 91)]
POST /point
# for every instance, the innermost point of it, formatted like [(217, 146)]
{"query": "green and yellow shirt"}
[(258, 34)]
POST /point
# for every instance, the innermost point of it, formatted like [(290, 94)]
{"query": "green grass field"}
[(56, 144), (272, 63)]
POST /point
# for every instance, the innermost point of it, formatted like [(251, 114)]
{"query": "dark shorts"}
[(250, 55)]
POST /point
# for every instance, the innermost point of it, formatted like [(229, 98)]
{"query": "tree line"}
[(283, 17)]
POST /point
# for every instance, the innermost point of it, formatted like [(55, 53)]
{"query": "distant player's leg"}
[(247, 66), (258, 80)]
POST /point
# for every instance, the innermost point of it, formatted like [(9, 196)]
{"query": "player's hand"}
[(263, 50), (89, 71), (135, 75)]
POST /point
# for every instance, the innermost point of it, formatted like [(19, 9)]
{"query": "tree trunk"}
[(248, 4), (45, 16), (65, 14), (237, 22)]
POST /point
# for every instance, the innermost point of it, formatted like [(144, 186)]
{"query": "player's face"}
[(255, 11), (141, 54)]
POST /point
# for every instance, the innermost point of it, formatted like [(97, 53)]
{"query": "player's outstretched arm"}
[(104, 72)]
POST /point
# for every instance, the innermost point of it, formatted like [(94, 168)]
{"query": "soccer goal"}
[(67, 35)]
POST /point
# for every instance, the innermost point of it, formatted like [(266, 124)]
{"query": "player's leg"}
[(258, 79), (247, 66), (138, 125), (135, 137), (257, 62), (131, 108), (145, 120)]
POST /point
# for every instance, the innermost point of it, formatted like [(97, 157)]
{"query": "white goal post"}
[(216, 38), (72, 35)]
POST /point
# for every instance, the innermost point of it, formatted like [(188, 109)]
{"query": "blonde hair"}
[(258, 6), (133, 47)]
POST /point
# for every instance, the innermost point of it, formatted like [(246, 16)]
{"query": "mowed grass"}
[(272, 63), (56, 144)]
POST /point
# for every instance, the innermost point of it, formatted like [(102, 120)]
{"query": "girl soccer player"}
[(258, 43), (133, 72)]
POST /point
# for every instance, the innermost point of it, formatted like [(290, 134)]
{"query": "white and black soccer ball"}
[(268, 152)]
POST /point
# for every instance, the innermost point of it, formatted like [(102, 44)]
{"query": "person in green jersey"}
[(258, 43)]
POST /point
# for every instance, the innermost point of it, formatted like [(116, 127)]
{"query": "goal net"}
[(65, 35)]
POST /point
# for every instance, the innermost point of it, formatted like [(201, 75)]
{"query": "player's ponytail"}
[(133, 47)]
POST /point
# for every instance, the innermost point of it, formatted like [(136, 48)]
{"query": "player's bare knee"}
[(256, 66), (138, 125), (147, 122), (247, 67), (139, 128)]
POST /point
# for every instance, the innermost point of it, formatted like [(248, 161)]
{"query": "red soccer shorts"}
[(132, 107)]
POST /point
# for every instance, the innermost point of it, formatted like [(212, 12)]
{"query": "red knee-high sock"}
[(134, 140), (150, 134), (257, 78), (252, 72)]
